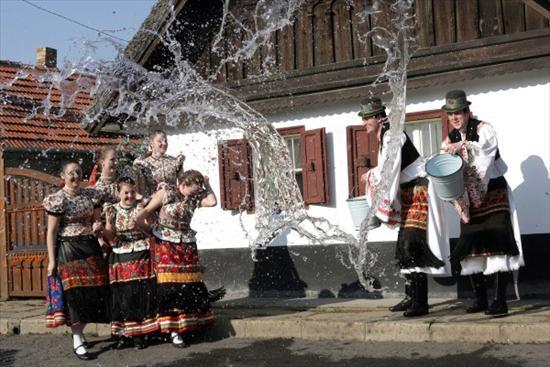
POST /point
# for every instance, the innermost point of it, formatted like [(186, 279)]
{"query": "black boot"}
[(480, 293), (139, 342), (499, 306), (407, 301), (419, 305)]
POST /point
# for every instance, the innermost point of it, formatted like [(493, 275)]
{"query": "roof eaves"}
[(138, 50)]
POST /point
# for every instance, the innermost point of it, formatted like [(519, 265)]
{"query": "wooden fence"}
[(23, 254)]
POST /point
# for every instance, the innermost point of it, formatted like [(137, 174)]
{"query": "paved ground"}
[(335, 319), (54, 350)]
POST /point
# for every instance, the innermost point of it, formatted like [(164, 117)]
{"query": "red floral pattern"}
[(130, 270), (176, 258), (90, 272)]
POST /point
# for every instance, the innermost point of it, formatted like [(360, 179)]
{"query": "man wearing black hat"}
[(489, 240), (422, 243)]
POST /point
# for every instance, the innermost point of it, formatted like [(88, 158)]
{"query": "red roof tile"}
[(23, 124)]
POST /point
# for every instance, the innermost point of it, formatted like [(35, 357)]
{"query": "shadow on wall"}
[(275, 274), (533, 196)]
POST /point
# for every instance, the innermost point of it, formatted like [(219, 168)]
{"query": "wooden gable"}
[(320, 57)]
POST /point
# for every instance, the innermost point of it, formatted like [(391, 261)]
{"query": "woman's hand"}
[(51, 267), (162, 186), (97, 228), (364, 178)]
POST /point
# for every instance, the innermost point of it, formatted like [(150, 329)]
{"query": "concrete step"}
[(335, 319)]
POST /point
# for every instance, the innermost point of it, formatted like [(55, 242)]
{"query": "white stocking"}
[(176, 338), (78, 339)]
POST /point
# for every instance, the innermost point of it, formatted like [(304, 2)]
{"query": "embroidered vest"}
[(471, 134)]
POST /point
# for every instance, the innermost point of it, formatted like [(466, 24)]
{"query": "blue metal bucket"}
[(358, 208), (446, 172)]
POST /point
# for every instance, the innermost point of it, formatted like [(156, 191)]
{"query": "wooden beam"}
[(290, 103), (424, 63), (540, 6), (4, 295)]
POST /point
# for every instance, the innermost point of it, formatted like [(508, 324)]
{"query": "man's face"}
[(371, 123), (458, 119)]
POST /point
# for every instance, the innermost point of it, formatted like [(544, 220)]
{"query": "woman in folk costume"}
[(103, 175), (182, 298), (158, 168), (102, 178), (422, 244), (490, 241), (130, 272), (75, 256)]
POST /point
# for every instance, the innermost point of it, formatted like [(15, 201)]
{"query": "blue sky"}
[(24, 28)]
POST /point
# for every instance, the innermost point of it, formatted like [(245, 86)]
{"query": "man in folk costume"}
[(489, 240), (409, 202)]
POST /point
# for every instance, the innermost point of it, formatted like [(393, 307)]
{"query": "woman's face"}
[(127, 194), (72, 176), (159, 144), (372, 123), (189, 189), (459, 119), (108, 163)]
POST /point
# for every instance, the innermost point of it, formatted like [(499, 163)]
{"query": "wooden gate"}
[(23, 257)]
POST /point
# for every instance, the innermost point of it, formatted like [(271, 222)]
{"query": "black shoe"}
[(497, 308), (408, 300), (416, 310), (85, 357), (403, 305), (139, 342), (122, 343), (478, 306)]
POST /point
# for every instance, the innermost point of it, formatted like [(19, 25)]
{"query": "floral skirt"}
[(85, 282), (182, 297), (412, 249), (490, 231), (133, 305)]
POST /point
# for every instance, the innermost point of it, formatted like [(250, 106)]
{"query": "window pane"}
[(289, 146), (297, 154), (425, 135)]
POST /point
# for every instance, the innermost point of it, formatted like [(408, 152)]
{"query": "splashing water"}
[(179, 97)]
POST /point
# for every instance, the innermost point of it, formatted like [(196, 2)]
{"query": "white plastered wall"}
[(517, 105)]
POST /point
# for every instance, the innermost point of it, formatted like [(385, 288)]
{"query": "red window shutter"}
[(362, 156), (236, 187), (314, 166), (445, 126)]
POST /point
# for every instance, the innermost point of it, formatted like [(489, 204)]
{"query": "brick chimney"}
[(46, 56)]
